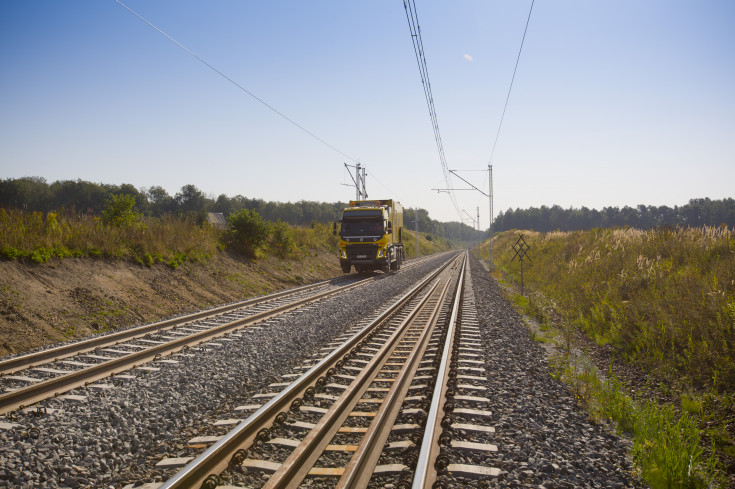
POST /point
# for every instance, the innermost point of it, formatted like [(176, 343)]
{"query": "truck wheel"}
[(346, 267), (396, 264)]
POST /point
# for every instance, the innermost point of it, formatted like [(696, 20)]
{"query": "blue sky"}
[(614, 103)]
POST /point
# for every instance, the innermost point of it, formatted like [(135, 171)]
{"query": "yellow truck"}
[(370, 236)]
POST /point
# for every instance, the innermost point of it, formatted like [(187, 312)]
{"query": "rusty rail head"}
[(66, 350), (11, 365), (217, 457), (57, 385), (291, 473), (359, 470), (425, 474)]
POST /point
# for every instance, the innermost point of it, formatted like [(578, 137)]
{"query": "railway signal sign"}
[(521, 251)]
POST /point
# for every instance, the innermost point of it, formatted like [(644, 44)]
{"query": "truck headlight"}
[(343, 254), (381, 253)]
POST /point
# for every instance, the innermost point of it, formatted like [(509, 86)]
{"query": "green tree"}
[(283, 240), (190, 199), (120, 212), (248, 231), (27, 193), (160, 201), (224, 204), (82, 196)]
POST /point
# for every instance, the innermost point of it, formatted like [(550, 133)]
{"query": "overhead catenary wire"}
[(251, 94), (390, 191), (510, 88), (423, 69), (418, 47)]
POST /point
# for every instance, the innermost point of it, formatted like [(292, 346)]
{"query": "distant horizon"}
[(611, 103), (214, 197)]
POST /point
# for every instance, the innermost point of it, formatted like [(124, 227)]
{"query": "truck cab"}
[(370, 236)]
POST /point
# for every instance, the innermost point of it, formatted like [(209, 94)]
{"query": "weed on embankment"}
[(170, 240), (663, 300)]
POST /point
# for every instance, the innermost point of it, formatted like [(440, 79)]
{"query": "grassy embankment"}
[(427, 244), (664, 300), (37, 238)]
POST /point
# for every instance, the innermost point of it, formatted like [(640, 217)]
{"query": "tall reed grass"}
[(664, 298), (39, 238)]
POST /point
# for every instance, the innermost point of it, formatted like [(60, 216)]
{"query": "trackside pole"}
[(521, 248)]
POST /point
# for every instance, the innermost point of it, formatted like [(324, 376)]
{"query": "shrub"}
[(119, 211), (666, 446), (248, 231), (41, 255), (176, 260), (11, 253), (283, 239)]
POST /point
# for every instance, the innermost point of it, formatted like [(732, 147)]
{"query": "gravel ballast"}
[(117, 435), (544, 438)]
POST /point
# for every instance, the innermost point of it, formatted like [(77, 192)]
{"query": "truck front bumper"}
[(366, 263)]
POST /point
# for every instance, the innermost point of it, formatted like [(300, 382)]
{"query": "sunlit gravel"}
[(117, 435)]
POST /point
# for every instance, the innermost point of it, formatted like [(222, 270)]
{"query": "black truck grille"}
[(362, 252)]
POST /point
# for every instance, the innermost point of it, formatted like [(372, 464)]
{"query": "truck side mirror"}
[(334, 228), (390, 227)]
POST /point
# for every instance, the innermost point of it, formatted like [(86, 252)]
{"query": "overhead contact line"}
[(418, 47), (220, 73), (510, 88)]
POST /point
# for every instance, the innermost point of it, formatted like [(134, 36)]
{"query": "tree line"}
[(82, 197), (696, 213)]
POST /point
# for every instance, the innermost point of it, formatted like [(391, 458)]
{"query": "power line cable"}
[(390, 191), (507, 98), (235, 83), (418, 47)]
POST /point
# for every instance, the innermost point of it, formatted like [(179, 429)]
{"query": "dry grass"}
[(172, 240), (663, 298)]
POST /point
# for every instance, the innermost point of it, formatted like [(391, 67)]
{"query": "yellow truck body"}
[(370, 235)]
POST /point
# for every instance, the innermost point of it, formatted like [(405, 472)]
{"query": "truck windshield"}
[(362, 227)]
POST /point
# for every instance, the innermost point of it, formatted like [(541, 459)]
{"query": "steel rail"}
[(10, 401), (293, 470), (219, 456), (12, 365), (361, 466), (425, 474)]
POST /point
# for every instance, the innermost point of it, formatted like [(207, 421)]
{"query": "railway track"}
[(31, 378), (353, 391), (385, 406)]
